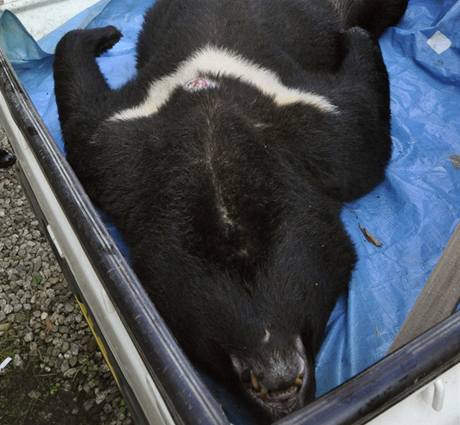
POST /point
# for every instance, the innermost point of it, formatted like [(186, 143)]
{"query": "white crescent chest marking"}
[(222, 62)]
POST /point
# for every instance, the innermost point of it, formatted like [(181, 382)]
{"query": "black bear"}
[(225, 163)]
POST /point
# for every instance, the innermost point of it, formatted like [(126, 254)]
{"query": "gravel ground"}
[(57, 375)]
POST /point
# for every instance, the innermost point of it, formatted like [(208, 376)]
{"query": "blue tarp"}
[(413, 213)]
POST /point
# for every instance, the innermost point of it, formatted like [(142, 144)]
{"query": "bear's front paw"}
[(106, 37), (97, 40)]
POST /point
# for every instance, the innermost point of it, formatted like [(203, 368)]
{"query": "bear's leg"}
[(83, 96), (349, 152), (373, 15)]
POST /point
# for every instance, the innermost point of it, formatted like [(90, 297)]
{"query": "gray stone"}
[(74, 349), (100, 396), (65, 366), (34, 394), (88, 404), (17, 361), (37, 264)]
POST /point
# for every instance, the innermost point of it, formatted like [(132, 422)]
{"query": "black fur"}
[(283, 173), (7, 159)]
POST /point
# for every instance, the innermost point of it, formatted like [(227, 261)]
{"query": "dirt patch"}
[(30, 397)]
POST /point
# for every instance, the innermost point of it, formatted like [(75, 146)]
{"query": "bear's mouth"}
[(278, 403)]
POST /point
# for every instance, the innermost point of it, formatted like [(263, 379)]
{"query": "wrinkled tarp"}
[(412, 214)]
